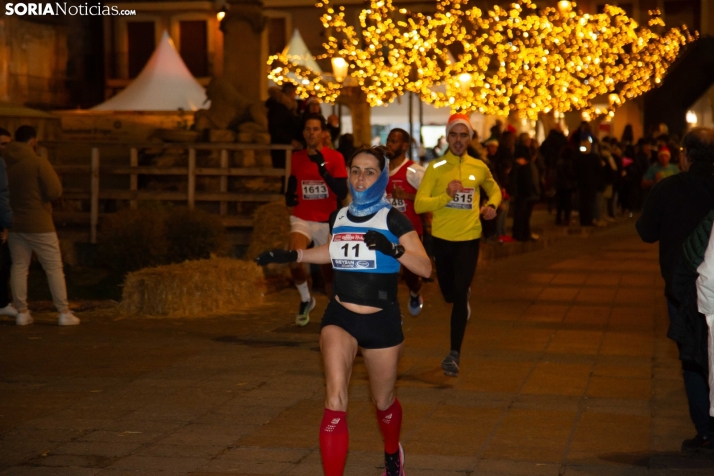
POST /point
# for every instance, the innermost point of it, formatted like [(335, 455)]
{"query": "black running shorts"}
[(379, 330)]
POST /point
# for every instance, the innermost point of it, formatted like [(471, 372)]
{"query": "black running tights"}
[(455, 268)]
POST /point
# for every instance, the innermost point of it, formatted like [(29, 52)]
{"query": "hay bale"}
[(271, 229), (194, 288)]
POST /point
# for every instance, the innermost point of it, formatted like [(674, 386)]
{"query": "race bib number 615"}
[(463, 200)]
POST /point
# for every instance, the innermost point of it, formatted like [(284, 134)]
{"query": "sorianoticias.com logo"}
[(57, 8)]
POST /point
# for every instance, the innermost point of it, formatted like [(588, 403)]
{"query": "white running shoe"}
[(24, 318), (68, 319), (416, 303), (9, 310)]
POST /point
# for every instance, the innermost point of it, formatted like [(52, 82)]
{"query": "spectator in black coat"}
[(501, 166), (588, 167), (612, 203), (283, 121), (565, 180), (673, 210), (523, 189)]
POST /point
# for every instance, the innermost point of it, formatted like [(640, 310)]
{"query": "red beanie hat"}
[(664, 150), (459, 119)]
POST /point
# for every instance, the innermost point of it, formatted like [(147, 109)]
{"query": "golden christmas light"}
[(518, 58)]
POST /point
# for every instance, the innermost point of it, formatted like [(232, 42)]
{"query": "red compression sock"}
[(390, 421), (334, 439)]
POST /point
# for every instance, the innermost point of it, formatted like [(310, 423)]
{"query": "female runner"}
[(368, 242)]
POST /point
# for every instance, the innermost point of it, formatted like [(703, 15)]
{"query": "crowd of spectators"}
[(576, 174)]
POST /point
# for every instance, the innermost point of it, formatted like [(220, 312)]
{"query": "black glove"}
[(377, 241), (317, 158), (276, 256)]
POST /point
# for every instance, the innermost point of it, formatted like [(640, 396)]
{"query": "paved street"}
[(566, 370)]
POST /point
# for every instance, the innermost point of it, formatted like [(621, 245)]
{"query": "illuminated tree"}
[(518, 59)]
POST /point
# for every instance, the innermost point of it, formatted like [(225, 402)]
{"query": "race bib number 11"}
[(463, 200), (314, 190), (348, 251)]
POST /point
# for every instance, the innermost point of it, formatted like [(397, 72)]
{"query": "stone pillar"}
[(245, 56), (354, 98)]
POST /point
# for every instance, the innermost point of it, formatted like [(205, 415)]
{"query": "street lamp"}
[(565, 5), (339, 69), (692, 118)]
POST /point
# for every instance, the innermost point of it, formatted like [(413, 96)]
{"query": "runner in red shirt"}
[(404, 179), (315, 187)]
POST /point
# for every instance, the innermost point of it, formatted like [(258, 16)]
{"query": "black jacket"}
[(588, 168), (283, 125), (552, 147), (688, 328), (673, 209)]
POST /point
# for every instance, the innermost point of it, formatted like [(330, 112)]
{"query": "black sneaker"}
[(450, 364), (698, 444), (389, 468)]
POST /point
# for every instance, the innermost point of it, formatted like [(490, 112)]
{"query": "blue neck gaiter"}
[(373, 199)]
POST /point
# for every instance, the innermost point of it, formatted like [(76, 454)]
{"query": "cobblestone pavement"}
[(565, 371)]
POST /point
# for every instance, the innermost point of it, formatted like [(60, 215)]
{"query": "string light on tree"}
[(518, 59)]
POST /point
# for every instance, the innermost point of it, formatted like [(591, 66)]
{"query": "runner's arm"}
[(398, 192), (337, 185), (291, 192), (424, 201), (415, 174), (319, 255), (414, 258)]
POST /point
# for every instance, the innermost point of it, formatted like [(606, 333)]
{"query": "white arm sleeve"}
[(415, 173), (705, 281)]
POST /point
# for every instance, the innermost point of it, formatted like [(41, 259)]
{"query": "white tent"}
[(165, 84), (299, 54)]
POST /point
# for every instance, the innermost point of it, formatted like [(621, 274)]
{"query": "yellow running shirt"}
[(456, 219)]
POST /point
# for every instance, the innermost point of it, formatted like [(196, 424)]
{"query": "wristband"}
[(299, 258), (398, 251)]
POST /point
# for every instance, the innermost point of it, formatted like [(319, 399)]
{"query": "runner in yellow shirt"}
[(450, 189)]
